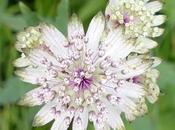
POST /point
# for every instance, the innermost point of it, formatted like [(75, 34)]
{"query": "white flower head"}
[(138, 19), (85, 77)]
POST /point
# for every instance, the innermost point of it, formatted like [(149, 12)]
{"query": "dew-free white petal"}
[(95, 31), (54, 39)]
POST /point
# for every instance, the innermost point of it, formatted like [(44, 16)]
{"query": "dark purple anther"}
[(84, 83), (126, 18), (135, 80)]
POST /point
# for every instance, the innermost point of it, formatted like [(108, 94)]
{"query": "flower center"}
[(80, 81)]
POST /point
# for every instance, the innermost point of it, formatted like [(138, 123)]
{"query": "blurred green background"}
[(15, 15)]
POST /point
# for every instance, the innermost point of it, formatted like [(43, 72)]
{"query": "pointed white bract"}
[(86, 77), (138, 20), (151, 87)]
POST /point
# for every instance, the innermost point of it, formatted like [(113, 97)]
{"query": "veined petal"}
[(81, 120), (21, 62), (134, 67), (133, 72), (45, 115), (31, 99), (110, 6), (65, 124), (131, 90), (125, 88), (75, 27), (19, 46), (158, 20), (156, 62), (56, 123), (95, 31), (114, 119), (129, 116), (140, 110), (31, 74), (144, 44), (54, 39), (158, 32), (126, 105), (42, 58), (154, 6), (106, 127), (38, 96), (117, 46), (62, 122)]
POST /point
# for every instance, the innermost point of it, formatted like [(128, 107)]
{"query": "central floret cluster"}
[(79, 80), (94, 76)]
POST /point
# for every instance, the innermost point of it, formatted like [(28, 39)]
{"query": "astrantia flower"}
[(86, 77), (138, 20)]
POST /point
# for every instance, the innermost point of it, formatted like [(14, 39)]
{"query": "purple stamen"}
[(135, 80), (126, 18), (84, 83)]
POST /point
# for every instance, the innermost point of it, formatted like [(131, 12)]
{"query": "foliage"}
[(15, 16)]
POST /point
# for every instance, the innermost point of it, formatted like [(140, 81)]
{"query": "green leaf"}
[(3, 5), (143, 123), (91, 8), (16, 23), (29, 16), (24, 9), (169, 12), (13, 90), (166, 47), (167, 74), (62, 16), (166, 120)]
